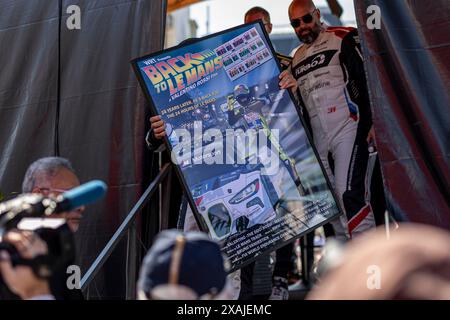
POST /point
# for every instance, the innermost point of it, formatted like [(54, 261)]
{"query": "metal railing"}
[(128, 227)]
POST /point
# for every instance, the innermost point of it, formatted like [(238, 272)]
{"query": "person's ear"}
[(319, 15), (269, 27)]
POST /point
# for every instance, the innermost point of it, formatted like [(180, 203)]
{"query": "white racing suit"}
[(333, 90)]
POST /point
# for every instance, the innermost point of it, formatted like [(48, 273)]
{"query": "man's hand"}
[(287, 81), (21, 279), (158, 126)]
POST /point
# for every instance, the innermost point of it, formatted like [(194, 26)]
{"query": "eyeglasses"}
[(52, 190), (307, 18)]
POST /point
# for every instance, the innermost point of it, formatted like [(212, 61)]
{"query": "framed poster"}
[(241, 150)]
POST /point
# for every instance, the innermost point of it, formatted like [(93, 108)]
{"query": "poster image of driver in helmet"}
[(247, 111)]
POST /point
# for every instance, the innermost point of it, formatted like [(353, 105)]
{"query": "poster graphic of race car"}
[(233, 203)]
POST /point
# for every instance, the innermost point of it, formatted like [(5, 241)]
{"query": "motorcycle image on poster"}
[(238, 142)]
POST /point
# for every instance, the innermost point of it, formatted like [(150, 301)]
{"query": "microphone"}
[(85, 194), (36, 205)]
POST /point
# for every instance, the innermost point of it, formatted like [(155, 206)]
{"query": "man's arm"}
[(156, 133), (353, 67), (287, 81)]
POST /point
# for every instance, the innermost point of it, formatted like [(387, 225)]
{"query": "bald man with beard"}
[(329, 73)]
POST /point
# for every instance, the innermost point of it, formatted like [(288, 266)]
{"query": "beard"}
[(309, 35)]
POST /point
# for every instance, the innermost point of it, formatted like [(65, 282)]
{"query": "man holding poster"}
[(248, 168), (333, 91)]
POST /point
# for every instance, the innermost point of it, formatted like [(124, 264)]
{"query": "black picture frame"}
[(180, 175)]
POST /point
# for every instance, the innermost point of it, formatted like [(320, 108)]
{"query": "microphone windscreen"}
[(85, 194)]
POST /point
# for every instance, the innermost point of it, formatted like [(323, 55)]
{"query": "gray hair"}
[(47, 167)]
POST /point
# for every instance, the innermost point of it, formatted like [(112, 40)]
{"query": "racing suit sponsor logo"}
[(314, 62), (331, 109), (321, 74), (316, 87)]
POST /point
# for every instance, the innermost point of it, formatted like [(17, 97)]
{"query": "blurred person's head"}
[(242, 94), (257, 13), (305, 19), (188, 41), (52, 176), (183, 266), (414, 263)]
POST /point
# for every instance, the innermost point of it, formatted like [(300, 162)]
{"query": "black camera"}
[(60, 243), (23, 213), (51, 266)]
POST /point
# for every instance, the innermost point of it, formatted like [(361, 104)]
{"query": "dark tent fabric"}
[(73, 93), (407, 65), (28, 86)]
